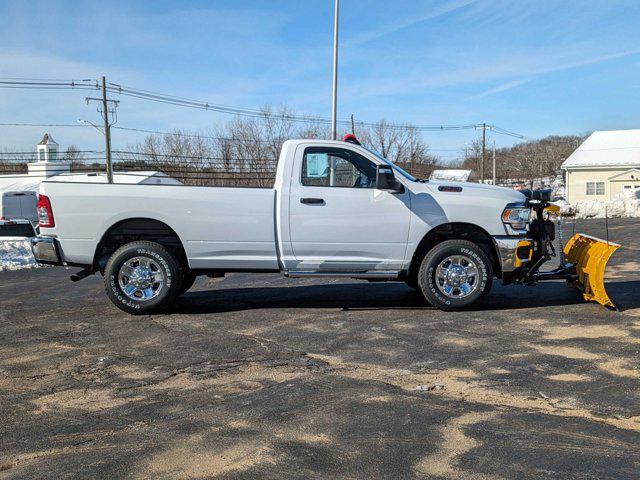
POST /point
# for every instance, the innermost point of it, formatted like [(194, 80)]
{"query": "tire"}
[(188, 279), (448, 287), (142, 277)]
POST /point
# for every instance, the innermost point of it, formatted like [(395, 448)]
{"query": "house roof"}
[(625, 173), (47, 140), (607, 149)]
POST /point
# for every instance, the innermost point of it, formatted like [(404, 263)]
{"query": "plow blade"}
[(590, 256)]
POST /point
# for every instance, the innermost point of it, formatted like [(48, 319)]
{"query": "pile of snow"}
[(626, 204), (15, 254), (557, 187)]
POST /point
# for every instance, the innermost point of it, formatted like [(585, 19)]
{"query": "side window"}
[(595, 188), (591, 188), (336, 167)]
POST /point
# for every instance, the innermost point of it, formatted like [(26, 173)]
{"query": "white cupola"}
[(47, 163), (47, 149)]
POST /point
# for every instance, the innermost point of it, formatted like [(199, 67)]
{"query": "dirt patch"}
[(462, 384), (197, 459), (88, 400), (565, 351), (588, 331), (622, 270), (132, 372), (533, 322), (619, 367), (305, 437), (454, 444), (458, 341), (231, 380), (17, 356), (569, 377), (379, 399)]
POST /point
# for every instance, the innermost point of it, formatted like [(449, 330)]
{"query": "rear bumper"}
[(513, 251), (46, 250)]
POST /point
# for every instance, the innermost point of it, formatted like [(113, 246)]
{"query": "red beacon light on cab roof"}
[(351, 138)]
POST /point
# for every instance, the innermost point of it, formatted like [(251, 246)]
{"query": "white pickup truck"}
[(336, 210)]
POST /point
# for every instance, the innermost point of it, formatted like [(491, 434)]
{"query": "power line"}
[(177, 134), (240, 111)]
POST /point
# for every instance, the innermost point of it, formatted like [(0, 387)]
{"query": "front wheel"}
[(455, 274), (142, 277)]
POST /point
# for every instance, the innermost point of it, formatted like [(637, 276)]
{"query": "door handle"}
[(312, 201)]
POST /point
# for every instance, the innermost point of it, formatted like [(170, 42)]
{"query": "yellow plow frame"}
[(590, 256)]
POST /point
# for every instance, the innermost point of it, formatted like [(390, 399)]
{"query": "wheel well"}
[(134, 229), (456, 231)]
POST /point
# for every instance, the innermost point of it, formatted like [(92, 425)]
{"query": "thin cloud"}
[(408, 22), (521, 66), (504, 87)]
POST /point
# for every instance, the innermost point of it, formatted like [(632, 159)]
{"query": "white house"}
[(607, 163)]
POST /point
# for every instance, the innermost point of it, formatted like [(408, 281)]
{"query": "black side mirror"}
[(386, 180), (542, 194)]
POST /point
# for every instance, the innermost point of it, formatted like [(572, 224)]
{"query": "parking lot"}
[(259, 376)]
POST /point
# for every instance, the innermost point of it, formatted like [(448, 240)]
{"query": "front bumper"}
[(513, 251), (46, 250)]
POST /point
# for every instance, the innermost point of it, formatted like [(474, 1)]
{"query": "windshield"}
[(402, 172)]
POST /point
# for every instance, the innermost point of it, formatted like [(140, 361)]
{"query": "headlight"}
[(517, 217)]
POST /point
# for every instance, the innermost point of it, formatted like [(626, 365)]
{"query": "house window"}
[(595, 188)]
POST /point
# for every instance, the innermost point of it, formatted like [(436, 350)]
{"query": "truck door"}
[(338, 220)]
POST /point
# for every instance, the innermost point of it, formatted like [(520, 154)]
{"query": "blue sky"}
[(536, 67)]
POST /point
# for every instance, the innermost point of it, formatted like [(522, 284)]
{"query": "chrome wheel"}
[(141, 278), (457, 276)]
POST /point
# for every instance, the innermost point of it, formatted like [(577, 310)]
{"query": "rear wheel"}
[(455, 274), (142, 277)]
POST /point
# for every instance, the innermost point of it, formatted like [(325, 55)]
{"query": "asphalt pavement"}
[(259, 376)]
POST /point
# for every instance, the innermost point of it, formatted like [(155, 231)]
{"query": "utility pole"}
[(484, 148), (353, 125), (107, 131), (105, 109), (334, 103), (494, 161)]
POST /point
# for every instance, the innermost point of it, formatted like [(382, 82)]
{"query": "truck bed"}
[(219, 227)]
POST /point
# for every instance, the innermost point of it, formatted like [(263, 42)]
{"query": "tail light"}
[(45, 212)]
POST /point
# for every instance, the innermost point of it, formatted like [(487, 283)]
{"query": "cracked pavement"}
[(259, 376)]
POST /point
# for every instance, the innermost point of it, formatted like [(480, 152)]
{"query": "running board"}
[(380, 274)]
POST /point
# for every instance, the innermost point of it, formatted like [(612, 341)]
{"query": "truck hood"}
[(476, 204)]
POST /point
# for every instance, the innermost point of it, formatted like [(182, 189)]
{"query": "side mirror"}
[(385, 180), (542, 194)]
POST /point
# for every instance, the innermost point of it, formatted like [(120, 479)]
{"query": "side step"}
[(371, 274)]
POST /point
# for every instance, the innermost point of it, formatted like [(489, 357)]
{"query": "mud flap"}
[(590, 256)]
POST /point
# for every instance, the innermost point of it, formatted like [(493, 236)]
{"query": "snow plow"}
[(583, 259), (590, 256)]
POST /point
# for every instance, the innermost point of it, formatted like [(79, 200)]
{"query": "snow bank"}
[(557, 187), (15, 254), (626, 204)]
